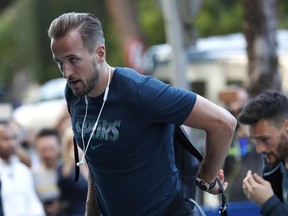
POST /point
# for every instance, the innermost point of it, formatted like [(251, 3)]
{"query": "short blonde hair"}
[(88, 25)]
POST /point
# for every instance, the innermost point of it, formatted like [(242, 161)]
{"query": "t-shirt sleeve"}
[(274, 207), (164, 102)]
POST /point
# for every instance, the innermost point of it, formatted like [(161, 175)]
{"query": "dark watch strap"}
[(203, 185)]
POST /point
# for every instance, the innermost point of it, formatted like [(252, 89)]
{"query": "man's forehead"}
[(262, 128)]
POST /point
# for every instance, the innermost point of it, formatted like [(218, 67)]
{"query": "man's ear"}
[(100, 53), (285, 126)]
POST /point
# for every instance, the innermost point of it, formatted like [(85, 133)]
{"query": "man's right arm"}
[(92, 208)]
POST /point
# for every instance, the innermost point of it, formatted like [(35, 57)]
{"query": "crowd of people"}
[(37, 170)]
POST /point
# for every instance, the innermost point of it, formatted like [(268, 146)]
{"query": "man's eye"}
[(261, 139), (264, 139), (73, 60)]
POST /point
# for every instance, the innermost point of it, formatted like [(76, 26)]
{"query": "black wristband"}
[(203, 185)]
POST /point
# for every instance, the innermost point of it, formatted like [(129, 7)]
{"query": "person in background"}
[(17, 185), (21, 151), (73, 195), (267, 118), (125, 122), (63, 122), (27, 140), (47, 145)]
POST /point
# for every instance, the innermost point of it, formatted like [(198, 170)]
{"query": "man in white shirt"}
[(17, 184)]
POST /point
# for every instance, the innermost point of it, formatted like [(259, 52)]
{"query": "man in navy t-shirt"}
[(124, 122)]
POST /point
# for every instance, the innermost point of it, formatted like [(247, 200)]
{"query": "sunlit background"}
[(202, 45)]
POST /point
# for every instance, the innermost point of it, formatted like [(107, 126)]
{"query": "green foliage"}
[(25, 45), (13, 40), (8, 44), (151, 21), (282, 8), (113, 46), (219, 17)]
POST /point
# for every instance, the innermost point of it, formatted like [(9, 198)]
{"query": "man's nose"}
[(260, 148), (66, 70)]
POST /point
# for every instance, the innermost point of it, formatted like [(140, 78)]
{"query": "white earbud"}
[(80, 163)]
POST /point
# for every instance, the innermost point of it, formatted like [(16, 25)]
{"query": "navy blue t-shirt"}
[(131, 156)]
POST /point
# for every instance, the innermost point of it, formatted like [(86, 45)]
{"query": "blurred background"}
[(208, 46), (215, 43)]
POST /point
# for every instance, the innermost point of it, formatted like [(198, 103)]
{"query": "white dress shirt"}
[(18, 192)]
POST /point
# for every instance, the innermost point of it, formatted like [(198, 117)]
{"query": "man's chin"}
[(78, 93), (272, 160)]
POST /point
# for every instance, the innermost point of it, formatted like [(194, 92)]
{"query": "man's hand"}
[(256, 188), (217, 189)]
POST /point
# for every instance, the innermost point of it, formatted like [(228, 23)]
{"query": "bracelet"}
[(203, 185)]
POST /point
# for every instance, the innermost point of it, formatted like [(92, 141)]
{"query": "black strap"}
[(76, 156), (70, 99), (182, 137), (223, 207)]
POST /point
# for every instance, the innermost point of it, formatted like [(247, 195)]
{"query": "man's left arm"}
[(219, 126)]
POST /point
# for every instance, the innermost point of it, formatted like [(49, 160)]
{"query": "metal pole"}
[(174, 37)]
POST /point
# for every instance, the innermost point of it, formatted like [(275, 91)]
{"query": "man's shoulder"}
[(129, 73), (130, 78)]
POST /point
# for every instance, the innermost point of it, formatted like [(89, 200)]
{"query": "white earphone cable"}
[(85, 148)]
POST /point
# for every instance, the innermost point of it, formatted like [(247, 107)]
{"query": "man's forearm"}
[(217, 146), (92, 208)]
